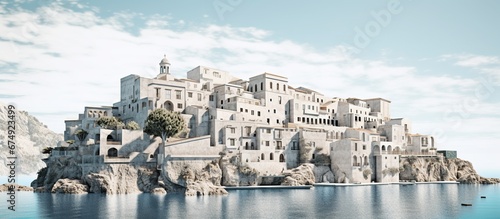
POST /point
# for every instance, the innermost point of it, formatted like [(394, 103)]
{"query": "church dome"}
[(164, 61)]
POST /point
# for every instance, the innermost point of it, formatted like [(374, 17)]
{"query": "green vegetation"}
[(108, 122), (164, 123), (47, 150), (81, 134), (132, 125)]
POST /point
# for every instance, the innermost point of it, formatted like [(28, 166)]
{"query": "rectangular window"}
[(364, 147), (231, 142), (355, 146), (179, 105), (178, 94), (233, 130), (258, 113), (267, 143), (199, 97), (157, 92), (251, 112), (211, 97), (168, 94), (190, 94)]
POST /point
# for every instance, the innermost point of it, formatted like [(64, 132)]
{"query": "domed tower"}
[(164, 65)]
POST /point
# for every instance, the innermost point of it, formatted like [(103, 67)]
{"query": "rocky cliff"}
[(31, 137), (299, 176), (435, 169), (64, 175), (234, 174)]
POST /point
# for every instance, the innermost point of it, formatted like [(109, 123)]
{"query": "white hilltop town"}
[(261, 123), (262, 126)]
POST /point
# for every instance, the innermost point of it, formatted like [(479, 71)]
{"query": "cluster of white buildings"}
[(263, 121)]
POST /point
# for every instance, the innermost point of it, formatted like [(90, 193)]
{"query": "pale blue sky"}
[(437, 61)]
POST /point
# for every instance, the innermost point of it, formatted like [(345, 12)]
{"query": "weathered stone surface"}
[(158, 190), (433, 169), (60, 168), (195, 180), (234, 175), (70, 186), (122, 179), (5, 187), (302, 175), (323, 174)]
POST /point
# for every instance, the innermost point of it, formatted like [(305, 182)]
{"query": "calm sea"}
[(382, 201)]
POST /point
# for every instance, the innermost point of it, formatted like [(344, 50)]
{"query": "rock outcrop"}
[(5, 187), (323, 174), (434, 169), (195, 178), (31, 137), (70, 186), (302, 175), (234, 174), (122, 179)]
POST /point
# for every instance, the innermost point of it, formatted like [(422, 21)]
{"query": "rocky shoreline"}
[(64, 175), (5, 187)]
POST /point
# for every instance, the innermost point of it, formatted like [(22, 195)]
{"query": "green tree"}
[(165, 124), (108, 122), (47, 150), (132, 125), (81, 134)]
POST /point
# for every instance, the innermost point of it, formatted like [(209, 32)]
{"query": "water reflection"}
[(383, 201)]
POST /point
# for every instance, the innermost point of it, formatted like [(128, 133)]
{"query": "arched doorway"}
[(282, 158), (168, 105), (112, 152)]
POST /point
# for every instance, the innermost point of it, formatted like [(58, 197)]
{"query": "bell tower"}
[(164, 65)]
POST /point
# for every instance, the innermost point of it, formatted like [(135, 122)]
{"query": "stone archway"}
[(112, 152)]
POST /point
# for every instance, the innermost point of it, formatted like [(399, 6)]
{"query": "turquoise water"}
[(382, 201)]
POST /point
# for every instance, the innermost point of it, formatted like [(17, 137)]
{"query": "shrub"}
[(132, 125), (367, 172)]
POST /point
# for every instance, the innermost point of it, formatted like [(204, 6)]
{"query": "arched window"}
[(271, 156), (271, 85), (262, 156), (354, 160), (282, 158), (366, 160), (383, 147), (112, 152), (284, 87), (277, 86), (110, 138), (255, 87), (252, 146), (246, 145)]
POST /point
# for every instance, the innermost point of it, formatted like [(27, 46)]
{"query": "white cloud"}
[(470, 60)]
